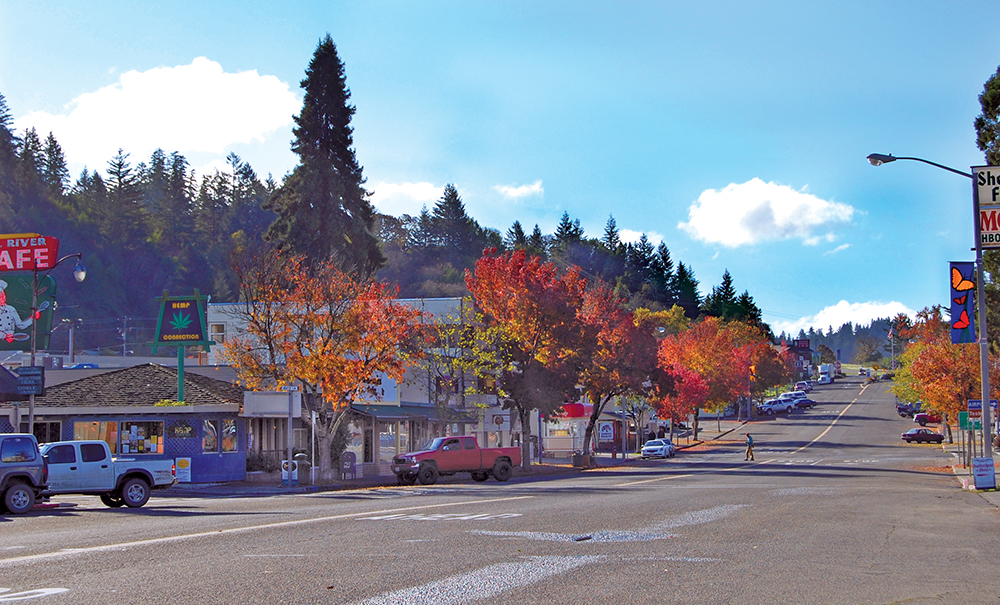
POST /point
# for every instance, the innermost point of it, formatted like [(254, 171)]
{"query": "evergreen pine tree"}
[(568, 231), (537, 246), (686, 287), (323, 209), (611, 240), (516, 239), (55, 174)]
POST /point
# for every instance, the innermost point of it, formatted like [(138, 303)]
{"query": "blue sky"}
[(736, 133)]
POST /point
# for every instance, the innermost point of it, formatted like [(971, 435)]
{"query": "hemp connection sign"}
[(181, 321)]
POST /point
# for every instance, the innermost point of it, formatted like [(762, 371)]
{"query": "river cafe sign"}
[(26, 253)]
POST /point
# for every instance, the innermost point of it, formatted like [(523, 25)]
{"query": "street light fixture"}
[(79, 273), (877, 159)]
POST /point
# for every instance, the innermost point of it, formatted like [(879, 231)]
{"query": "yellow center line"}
[(821, 435)]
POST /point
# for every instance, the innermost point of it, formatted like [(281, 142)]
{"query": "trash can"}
[(577, 459)]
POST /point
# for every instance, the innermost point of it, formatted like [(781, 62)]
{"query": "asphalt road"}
[(835, 509)]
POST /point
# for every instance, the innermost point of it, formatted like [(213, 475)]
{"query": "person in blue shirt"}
[(749, 454)]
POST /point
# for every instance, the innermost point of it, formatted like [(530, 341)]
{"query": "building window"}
[(142, 437), (217, 332), (97, 431), (45, 432), (229, 440), (486, 384), (210, 436)]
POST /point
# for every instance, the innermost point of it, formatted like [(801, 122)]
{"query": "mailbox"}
[(348, 465)]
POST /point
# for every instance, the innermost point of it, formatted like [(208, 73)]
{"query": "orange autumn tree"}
[(717, 353), (527, 337), (618, 353), (321, 329), (941, 374)]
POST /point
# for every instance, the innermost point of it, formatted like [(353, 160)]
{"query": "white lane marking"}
[(483, 583), (235, 530), (656, 532), (669, 477), (442, 517), (28, 594)]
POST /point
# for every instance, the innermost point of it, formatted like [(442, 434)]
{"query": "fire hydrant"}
[(614, 453)]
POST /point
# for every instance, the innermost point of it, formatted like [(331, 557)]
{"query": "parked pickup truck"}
[(87, 467), (23, 474), (450, 455)]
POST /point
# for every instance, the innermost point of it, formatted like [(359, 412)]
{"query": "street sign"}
[(975, 409), (963, 421), (30, 380)]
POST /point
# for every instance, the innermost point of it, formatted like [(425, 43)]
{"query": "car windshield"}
[(654, 443), (432, 445)]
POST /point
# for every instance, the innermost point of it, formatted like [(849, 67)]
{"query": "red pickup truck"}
[(450, 455)]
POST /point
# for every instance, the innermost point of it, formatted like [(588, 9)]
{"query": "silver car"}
[(658, 448)]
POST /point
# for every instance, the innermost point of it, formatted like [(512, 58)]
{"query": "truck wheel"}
[(428, 475), (112, 500), (19, 498), (135, 492), (406, 478), (502, 471), (480, 476)]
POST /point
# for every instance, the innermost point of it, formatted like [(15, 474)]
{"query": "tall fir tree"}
[(323, 208), (516, 239), (686, 287)]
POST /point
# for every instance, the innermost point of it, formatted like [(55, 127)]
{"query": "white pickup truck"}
[(87, 467)]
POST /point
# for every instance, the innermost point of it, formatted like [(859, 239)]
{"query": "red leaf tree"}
[(528, 337)]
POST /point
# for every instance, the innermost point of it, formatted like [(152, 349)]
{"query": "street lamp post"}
[(877, 159), (80, 273)]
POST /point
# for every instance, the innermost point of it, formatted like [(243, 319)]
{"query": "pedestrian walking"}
[(749, 453)]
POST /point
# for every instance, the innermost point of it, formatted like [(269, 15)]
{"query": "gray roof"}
[(141, 385)]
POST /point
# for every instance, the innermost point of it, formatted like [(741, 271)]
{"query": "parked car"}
[(83, 366), (825, 380), (658, 448), (803, 386), (805, 402), (907, 410), (922, 436), (924, 418), (87, 467), (23, 473), (450, 455), (792, 396), (773, 406), (812, 383)]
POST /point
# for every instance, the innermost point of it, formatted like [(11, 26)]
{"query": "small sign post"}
[(984, 473), (181, 323)]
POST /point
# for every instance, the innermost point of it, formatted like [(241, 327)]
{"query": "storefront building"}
[(134, 410)]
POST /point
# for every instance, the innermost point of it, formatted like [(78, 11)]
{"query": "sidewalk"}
[(964, 475), (549, 467)]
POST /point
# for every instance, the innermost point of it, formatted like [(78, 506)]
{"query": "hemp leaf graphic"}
[(180, 321)]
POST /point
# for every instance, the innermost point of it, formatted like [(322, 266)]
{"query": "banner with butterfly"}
[(963, 324)]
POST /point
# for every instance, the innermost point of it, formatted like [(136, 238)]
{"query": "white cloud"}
[(837, 315), (756, 211), (404, 198), (521, 190), (187, 108), (631, 237), (839, 248)]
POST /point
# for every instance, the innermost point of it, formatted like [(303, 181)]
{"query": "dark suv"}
[(24, 473)]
